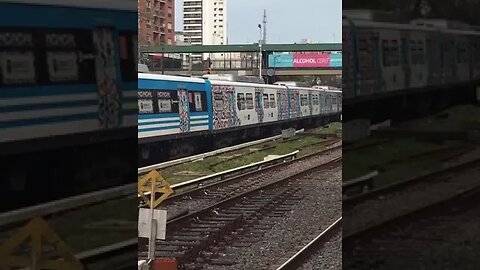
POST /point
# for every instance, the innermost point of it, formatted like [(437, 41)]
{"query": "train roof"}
[(220, 82), (427, 25), (125, 5), (150, 76), (314, 89)]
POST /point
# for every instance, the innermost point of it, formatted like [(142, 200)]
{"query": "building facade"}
[(156, 22), (205, 23)]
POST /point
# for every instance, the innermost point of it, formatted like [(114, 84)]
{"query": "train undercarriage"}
[(33, 177), (172, 148)]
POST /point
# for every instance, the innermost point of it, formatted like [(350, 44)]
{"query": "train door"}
[(405, 46), (310, 102), (259, 105), (183, 110), (463, 59), (449, 58), (322, 102), (304, 105), (391, 64), (315, 103), (245, 105), (106, 75), (270, 104)]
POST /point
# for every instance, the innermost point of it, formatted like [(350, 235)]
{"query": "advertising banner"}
[(305, 60), (280, 60), (311, 60), (336, 60)]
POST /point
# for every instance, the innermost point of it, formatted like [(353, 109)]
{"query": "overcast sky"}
[(288, 21)]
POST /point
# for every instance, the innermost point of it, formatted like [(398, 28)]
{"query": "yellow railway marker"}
[(148, 183), (41, 235)]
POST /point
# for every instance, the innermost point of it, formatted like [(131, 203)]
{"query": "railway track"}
[(365, 210), (438, 236), (309, 257), (203, 237), (209, 192)]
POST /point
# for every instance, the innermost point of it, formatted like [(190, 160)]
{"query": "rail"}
[(233, 172), (57, 206), (297, 258)]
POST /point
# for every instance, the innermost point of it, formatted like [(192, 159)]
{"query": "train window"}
[(272, 101), (197, 101), (266, 104), (385, 53), (462, 53), (249, 101), (334, 100), (303, 100), (395, 60), (145, 106), (167, 101), (362, 44), (241, 101), (218, 100), (404, 51), (127, 50)]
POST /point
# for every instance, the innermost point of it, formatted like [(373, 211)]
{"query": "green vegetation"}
[(455, 119), (191, 170), (98, 225)]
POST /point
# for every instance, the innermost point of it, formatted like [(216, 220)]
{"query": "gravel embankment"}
[(320, 206), (370, 212), (441, 239), (231, 189)]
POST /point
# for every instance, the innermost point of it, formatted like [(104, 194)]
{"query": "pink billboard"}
[(311, 60)]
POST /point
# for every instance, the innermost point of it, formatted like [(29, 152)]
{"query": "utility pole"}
[(190, 56), (264, 27), (260, 53)]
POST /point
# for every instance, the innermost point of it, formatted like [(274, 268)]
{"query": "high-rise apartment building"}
[(205, 22), (156, 22)]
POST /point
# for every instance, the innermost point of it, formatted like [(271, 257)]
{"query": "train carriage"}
[(170, 105), (68, 89), (384, 56), (219, 112)]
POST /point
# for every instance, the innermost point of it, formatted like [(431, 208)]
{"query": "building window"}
[(169, 25), (169, 41)]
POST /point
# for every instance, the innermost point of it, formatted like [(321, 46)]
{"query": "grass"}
[(395, 159), (454, 119), (383, 156), (77, 230), (305, 144)]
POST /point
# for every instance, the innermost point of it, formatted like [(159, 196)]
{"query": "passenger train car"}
[(68, 91), (382, 57), (190, 111)]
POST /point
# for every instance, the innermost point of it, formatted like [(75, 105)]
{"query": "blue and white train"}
[(68, 90), (382, 57), (190, 111)]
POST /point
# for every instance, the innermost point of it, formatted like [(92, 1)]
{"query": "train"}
[(68, 96), (383, 56), (178, 113)]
